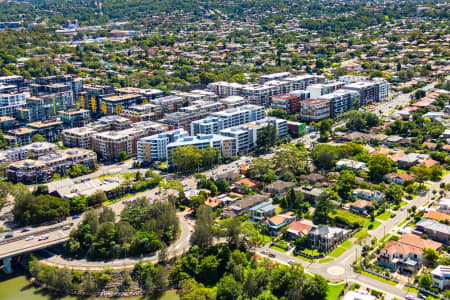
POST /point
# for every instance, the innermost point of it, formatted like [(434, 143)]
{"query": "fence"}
[(423, 290)]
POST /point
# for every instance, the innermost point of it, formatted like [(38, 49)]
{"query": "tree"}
[(267, 137), (323, 208), (431, 255), (421, 172), (203, 230), (227, 288), (394, 193), (325, 129), (346, 182), (232, 231), (97, 198), (315, 288), (38, 138), (107, 215), (123, 156), (279, 113), (324, 156), (425, 281), (379, 165)]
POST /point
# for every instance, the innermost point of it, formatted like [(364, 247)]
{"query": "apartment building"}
[(146, 94), (287, 102), (49, 129), (233, 101), (20, 153), (225, 89), (47, 106), (114, 105), (240, 115), (341, 101), (315, 110), (181, 119), (43, 169), (370, 91), (169, 104), (441, 277), (301, 82), (257, 94), (154, 148), (90, 96), (275, 76), (7, 123), (9, 102), (226, 145), (15, 80), (320, 89), (75, 117), (256, 126), (243, 137), (301, 93), (208, 125), (80, 137), (143, 112), (72, 82), (19, 136)]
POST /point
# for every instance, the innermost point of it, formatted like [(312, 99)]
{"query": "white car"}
[(291, 262), (43, 237), (67, 227), (29, 238)]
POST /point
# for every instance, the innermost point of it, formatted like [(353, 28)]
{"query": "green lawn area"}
[(385, 238), (384, 216), (403, 222), (378, 278), (303, 258), (274, 247), (410, 289), (375, 224), (334, 290), (347, 244), (311, 251), (360, 233), (337, 252), (350, 217), (403, 203), (325, 260)]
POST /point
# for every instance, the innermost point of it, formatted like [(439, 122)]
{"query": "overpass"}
[(18, 245)]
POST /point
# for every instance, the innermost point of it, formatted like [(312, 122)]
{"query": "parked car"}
[(43, 237), (410, 297), (9, 235), (25, 230), (272, 254), (29, 238), (76, 217), (291, 261), (393, 215), (67, 227), (421, 296)]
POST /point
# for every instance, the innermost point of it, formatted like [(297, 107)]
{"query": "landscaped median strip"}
[(325, 260), (378, 278)]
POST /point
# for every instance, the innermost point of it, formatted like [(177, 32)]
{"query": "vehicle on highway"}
[(29, 238), (9, 235), (291, 261), (410, 297), (421, 296), (264, 252), (76, 217), (43, 237), (272, 254), (393, 215), (67, 227), (25, 230), (403, 209)]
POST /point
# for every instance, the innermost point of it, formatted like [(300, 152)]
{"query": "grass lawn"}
[(375, 224), (337, 252), (325, 260), (385, 238), (379, 278), (384, 216), (311, 251), (403, 203), (410, 289), (403, 222), (334, 290), (303, 258), (360, 233), (351, 217), (347, 244), (277, 248)]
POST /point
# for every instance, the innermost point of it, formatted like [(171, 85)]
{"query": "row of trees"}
[(190, 159)]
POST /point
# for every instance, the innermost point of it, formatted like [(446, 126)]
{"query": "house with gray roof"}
[(433, 229), (325, 237)]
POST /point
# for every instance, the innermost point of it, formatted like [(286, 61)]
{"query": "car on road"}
[(421, 296), (76, 217), (264, 252), (291, 262), (403, 209), (43, 237), (272, 254), (9, 235), (393, 215), (25, 230), (410, 297), (67, 227), (29, 238)]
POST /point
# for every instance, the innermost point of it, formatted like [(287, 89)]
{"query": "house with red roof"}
[(300, 228), (398, 178), (399, 256)]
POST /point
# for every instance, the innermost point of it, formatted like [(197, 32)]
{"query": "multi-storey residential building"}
[(240, 115), (257, 94), (287, 102), (370, 91), (20, 153), (49, 129), (208, 125), (400, 256), (90, 96), (20, 136), (341, 100), (233, 101), (243, 138), (143, 112), (78, 137), (74, 83), (434, 229), (225, 89), (154, 148), (9, 102), (146, 94), (116, 104), (275, 76), (47, 106), (15, 80), (169, 104), (226, 145), (325, 237), (301, 93), (47, 165), (256, 126), (181, 119), (75, 117), (315, 110), (301, 82), (7, 123), (383, 88), (320, 89)]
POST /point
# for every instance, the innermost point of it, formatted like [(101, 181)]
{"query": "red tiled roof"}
[(436, 215), (247, 181), (402, 176), (300, 226), (277, 220), (361, 203), (394, 247), (418, 242)]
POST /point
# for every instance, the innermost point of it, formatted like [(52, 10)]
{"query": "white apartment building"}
[(275, 76), (233, 101), (240, 115), (9, 102), (21, 153), (154, 147), (78, 137), (320, 89), (242, 136), (225, 89), (301, 82), (341, 100)]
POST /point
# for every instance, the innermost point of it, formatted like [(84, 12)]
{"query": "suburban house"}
[(313, 178), (311, 193), (441, 277), (437, 215), (300, 228), (398, 178), (398, 256), (325, 237), (213, 202), (250, 183), (279, 188), (241, 207), (434, 229), (262, 211), (444, 205), (418, 242), (348, 164), (279, 221), (361, 207), (408, 160), (368, 195), (229, 176)]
